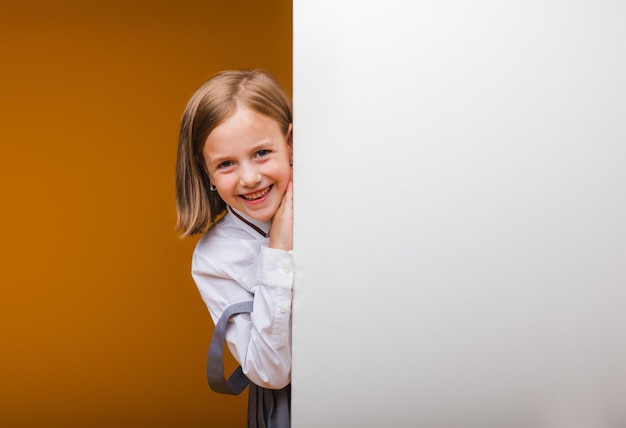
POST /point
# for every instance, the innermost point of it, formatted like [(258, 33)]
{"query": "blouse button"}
[(286, 269)]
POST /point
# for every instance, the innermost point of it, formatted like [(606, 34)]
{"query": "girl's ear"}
[(202, 164), (290, 135), (290, 140)]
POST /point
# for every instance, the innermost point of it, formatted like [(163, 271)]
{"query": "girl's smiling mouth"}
[(256, 195)]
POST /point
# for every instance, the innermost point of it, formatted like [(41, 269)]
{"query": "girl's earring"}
[(290, 162), (212, 187)]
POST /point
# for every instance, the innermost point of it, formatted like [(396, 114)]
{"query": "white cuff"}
[(276, 268)]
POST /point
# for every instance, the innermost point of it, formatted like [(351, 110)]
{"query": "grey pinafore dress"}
[(267, 408)]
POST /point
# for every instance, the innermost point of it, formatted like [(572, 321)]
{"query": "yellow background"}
[(101, 324)]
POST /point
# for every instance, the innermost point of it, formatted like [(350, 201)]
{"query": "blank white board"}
[(460, 233)]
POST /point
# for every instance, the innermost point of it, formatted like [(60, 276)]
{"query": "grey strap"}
[(237, 382)]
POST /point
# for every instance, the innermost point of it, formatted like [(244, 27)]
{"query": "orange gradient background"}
[(101, 324)]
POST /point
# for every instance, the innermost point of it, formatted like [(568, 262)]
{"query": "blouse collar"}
[(260, 227)]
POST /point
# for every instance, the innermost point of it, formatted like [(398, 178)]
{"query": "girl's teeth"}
[(256, 195)]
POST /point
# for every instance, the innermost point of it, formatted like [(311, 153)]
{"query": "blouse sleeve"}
[(260, 341)]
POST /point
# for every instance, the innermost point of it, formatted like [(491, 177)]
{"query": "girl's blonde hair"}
[(214, 102)]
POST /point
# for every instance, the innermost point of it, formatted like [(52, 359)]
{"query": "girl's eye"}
[(262, 153), (224, 164)]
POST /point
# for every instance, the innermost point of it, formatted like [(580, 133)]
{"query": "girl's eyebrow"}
[(262, 145), (217, 158), (217, 161)]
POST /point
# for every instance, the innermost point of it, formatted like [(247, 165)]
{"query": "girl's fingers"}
[(287, 201), (289, 194), (281, 233)]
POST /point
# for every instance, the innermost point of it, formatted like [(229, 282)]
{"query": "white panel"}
[(460, 213)]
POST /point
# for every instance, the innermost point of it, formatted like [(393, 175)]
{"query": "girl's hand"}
[(281, 232)]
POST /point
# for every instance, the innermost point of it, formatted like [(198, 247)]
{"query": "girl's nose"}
[(249, 176)]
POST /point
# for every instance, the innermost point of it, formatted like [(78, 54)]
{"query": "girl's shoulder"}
[(227, 251), (227, 238)]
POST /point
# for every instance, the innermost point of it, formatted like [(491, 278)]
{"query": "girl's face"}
[(247, 159)]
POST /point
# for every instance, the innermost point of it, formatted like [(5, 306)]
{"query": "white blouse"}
[(232, 263)]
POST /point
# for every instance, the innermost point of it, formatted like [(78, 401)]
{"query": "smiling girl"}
[(233, 183)]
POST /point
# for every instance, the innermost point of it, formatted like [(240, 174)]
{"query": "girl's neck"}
[(261, 227)]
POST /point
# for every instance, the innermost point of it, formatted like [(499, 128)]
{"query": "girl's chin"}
[(262, 209), (265, 214)]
